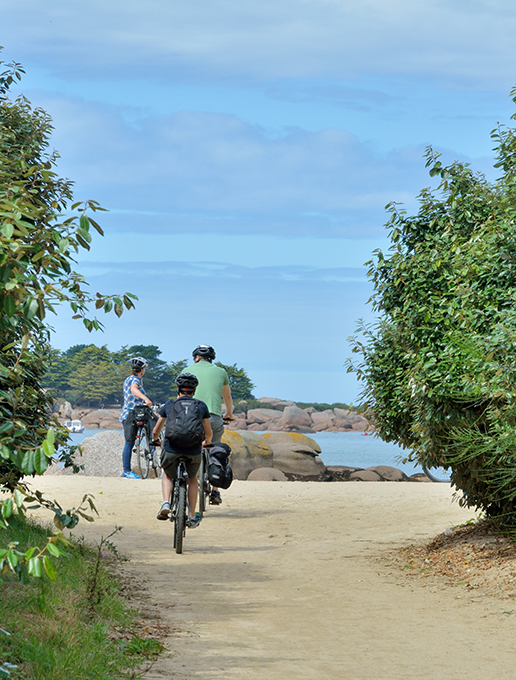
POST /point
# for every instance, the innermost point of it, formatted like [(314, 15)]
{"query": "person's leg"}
[(217, 428), (192, 495), (167, 485), (126, 456)]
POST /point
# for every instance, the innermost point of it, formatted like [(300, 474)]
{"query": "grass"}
[(79, 627)]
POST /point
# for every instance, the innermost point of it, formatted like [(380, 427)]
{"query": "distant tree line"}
[(87, 375)]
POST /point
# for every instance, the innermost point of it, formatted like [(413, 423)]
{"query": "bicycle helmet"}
[(138, 363), (186, 382), (205, 352)]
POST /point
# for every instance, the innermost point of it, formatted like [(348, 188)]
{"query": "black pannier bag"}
[(220, 473), (184, 427)]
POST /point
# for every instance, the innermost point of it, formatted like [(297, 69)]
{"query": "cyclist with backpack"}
[(134, 396), (187, 430), (213, 390)]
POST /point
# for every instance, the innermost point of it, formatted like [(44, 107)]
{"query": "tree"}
[(95, 378), (438, 366), (41, 232), (239, 382)]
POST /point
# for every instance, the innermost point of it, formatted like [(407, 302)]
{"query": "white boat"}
[(74, 426)]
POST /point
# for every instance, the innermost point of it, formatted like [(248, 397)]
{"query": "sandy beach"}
[(291, 580)]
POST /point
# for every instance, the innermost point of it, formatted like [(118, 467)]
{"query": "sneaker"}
[(164, 511), (193, 522), (215, 498), (131, 475)]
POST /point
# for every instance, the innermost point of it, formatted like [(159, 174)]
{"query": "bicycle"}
[(178, 505), (146, 454), (203, 480)]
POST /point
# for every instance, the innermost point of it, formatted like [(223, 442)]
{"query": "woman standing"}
[(134, 395)]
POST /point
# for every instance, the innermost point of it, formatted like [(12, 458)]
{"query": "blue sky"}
[(246, 151)]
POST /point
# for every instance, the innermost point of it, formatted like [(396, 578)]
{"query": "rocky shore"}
[(271, 456), (284, 416)]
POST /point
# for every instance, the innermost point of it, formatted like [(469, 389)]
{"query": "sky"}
[(246, 151)]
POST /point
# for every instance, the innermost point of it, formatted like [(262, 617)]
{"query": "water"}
[(356, 450), (338, 448)]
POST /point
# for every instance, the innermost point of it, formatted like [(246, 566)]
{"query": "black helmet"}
[(186, 382), (138, 363), (205, 352)]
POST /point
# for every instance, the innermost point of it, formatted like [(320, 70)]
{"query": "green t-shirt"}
[(211, 381)]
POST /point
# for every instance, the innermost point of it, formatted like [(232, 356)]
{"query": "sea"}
[(338, 448)]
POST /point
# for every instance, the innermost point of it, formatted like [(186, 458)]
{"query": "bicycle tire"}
[(156, 467), (180, 519), (436, 476), (142, 453)]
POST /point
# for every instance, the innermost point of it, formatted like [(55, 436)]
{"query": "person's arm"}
[(208, 434), (138, 393), (157, 428), (228, 401)]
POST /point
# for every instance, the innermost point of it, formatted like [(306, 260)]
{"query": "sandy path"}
[(286, 580)]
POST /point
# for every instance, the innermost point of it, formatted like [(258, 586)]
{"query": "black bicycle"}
[(203, 480), (179, 505), (146, 454)]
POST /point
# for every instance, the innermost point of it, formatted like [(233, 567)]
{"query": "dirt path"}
[(287, 580)]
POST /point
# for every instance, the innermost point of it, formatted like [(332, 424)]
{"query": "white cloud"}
[(454, 41), (213, 172)]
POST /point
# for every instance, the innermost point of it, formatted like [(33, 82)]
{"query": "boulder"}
[(262, 415), (279, 404), (267, 475), (300, 462), (249, 451), (388, 473), (292, 438), (294, 418), (110, 418), (365, 476), (323, 420), (65, 411)]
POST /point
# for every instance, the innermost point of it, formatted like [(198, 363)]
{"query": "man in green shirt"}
[(213, 389)]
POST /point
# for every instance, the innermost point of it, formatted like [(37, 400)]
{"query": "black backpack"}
[(219, 472), (184, 427)]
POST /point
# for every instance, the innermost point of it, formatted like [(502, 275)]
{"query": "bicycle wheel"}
[(142, 453), (180, 519), (437, 474), (204, 484), (156, 467)]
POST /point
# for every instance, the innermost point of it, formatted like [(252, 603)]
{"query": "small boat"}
[(74, 426)]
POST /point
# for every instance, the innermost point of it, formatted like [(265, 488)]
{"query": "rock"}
[(300, 462), (267, 475), (323, 420), (292, 438), (262, 415), (102, 415), (365, 476), (101, 456), (279, 404), (389, 474), (65, 411), (294, 418), (249, 451)]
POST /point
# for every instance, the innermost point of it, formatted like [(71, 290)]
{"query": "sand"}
[(290, 580)]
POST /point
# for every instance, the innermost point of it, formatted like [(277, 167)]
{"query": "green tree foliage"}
[(41, 232), (239, 381), (439, 366)]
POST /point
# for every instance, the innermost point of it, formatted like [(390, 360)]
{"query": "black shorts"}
[(169, 462)]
